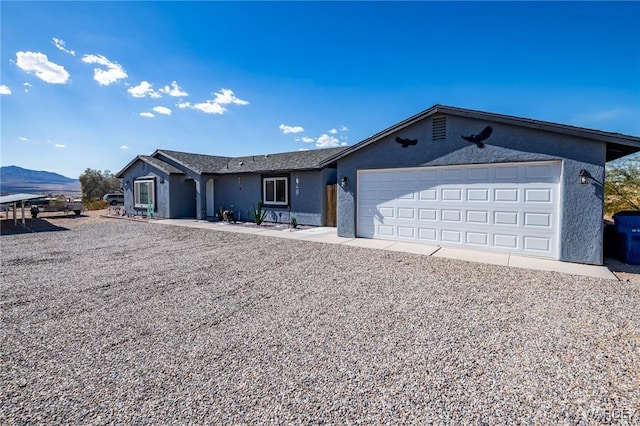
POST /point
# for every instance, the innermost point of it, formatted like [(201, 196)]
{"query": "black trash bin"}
[(628, 229)]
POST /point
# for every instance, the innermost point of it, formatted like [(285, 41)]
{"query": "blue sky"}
[(93, 84)]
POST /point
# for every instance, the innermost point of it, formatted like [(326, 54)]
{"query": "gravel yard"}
[(115, 321)]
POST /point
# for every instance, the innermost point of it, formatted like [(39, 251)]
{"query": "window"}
[(144, 193), (275, 190)]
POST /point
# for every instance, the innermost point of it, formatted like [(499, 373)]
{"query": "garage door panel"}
[(505, 241), (428, 214), (386, 230), (506, 172), (387, 212), (451, 215), (478, 238), (451, 175), (406, 232), (451, 236), (428, 234), (452, 194), (481, 194), (542, 195), (511, 208), (478, 216), (408, 195), (505, 218), (538, 219), (429, 195), (406, 213), (509, 195), (537, 244), (480, 173), (539, 173)]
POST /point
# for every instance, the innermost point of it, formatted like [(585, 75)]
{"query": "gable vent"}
[(439, 128)]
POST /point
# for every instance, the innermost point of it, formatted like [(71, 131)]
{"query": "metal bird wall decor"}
[(477, 139), (406, 142)]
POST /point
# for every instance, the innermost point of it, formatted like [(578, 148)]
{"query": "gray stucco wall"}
[(182, 196), (307, 196), (139, 169), (581, 222)]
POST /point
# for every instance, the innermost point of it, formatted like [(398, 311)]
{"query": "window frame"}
[(275, 180), (151, 193)]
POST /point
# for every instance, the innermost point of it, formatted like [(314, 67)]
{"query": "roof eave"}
[(617, 139), (120, 174)]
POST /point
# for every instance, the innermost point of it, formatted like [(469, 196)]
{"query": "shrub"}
[(96, 205), (622, 185), (294, 222), (259, 214)]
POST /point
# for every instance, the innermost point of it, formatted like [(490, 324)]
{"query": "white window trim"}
[(136, 193), (275, 183)]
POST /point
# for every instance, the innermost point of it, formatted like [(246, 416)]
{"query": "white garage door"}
[(511, 207)]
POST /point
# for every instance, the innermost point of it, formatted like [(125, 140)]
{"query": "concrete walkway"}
[(328, 235)]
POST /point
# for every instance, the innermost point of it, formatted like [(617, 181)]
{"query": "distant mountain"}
[(14, 179)]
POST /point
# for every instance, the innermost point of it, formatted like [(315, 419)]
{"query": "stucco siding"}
[(183, 196), (581, 211), (307, 199), (140, 169)]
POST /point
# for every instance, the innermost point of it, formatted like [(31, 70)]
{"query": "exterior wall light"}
[(343, 181), (584, 176)]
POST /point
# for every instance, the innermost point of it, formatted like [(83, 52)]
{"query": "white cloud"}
[(210, 107), (343, 144), (291, 129), (124, 147), (4, 90), (59, 145), (113, 72), (162, 110), (343, 128), (215, 106), (326, 141), (303, 149), (60, 44), (26, 84), (174, 90), (44, 69), (147, 114), (23, 139), (307, 139), (226, 96), (333, 131), (143, 89)]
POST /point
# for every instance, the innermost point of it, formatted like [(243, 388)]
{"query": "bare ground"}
[(115, 321)]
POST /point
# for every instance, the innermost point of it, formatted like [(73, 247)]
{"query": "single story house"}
[(446, 176), (173, 184), (462, 178)]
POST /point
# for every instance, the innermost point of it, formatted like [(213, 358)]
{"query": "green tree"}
[(96, 183), (622, 185)]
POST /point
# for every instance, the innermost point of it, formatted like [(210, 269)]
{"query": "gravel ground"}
[(114, 321)]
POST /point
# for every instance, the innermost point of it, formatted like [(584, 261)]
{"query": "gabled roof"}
[(199, 163), (158, 164), (618, 145), (280, 162), (211, 164)]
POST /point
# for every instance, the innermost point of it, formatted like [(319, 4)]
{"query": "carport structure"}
[(21, 199)]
